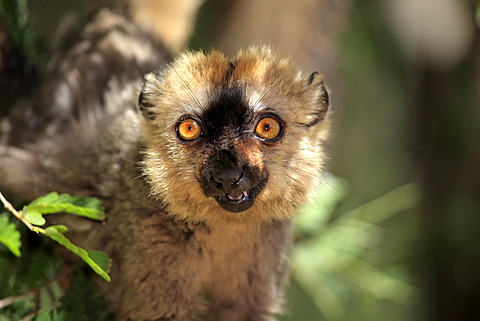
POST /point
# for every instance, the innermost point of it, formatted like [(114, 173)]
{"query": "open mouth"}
[(239, 201), (237, 197)]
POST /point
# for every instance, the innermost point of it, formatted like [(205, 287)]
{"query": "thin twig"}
[(5, 302), (19, 215), (34, 292)]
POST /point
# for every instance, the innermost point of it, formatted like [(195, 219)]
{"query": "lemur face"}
[(243, 135), (227, 135)]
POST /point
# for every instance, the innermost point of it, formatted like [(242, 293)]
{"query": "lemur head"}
[(233, 139)]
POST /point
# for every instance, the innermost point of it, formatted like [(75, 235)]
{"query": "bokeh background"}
[(394, 233)]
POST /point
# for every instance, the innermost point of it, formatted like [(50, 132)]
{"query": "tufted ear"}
[(146, 100), (321, 98)]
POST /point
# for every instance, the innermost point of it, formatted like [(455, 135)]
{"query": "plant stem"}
[(12, 299), (20, 216)]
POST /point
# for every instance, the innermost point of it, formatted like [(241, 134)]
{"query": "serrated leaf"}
[(101, 258), (46, 199), (55, 232), (88, 202), (51, 203), (33, 216), (10, 236), (60, 228), (69, 208)]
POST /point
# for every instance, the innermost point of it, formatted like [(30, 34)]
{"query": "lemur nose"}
[(227, 178)]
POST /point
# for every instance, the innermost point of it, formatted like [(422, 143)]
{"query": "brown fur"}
[(177, 254)]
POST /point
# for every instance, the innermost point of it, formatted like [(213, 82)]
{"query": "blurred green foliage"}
[(329, 257)]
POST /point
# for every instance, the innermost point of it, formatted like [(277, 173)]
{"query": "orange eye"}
[(189, 129), (268, 128)]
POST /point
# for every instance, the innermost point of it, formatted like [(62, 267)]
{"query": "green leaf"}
[(61, 228), (33, 216), (100, 263), (45, 316), (56, 203), (10, 236), (101, 259), (46, 199)]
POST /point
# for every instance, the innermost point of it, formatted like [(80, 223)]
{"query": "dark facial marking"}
[(226, 176), (227, 110)]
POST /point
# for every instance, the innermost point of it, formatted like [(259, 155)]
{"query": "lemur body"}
[(200, 182)]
